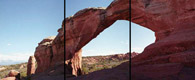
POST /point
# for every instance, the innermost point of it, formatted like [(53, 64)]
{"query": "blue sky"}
[(140, 37), (113, 40), (24, 23)]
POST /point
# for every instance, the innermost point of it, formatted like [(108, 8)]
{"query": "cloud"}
[(9, 44), (6, 59)]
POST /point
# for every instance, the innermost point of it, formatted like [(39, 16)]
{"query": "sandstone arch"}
[(88, 23), (172, 54), (167, 18)]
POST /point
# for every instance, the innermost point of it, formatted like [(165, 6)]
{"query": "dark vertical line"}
[(130, 39), (64, 21)]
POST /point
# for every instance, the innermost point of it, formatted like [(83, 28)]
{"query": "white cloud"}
[(14, 57)]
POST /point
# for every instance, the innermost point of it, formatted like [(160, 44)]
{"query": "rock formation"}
[(86, 24), (44, 54), (31, 65), (173, 22), (73, 66), (50, 57)]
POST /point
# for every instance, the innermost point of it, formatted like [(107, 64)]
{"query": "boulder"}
[(13, 73)]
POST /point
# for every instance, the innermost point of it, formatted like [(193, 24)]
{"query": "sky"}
[(141, 37), (25, 23)]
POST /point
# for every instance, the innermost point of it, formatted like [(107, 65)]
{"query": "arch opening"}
[(105, 50), (141, 37), (109, 41)]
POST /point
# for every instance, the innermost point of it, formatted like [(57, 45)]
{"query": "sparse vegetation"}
[(101, 62), (22, 68)]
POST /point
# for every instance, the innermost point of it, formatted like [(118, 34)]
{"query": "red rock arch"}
[(86, 24), (172, 21)]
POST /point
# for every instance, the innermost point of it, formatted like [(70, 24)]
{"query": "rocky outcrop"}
[(86, 24), (173, 22), (44, 54), (50, 57), (31, 66)]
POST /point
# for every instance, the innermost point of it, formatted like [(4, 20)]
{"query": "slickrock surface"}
[(31, 66), (86, 24), (173, 22)]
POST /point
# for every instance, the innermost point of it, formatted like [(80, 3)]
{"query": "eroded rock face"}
[(86, 24), (44, 54), (31, 65), (173, 22), (50, 57), (73, 66)]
